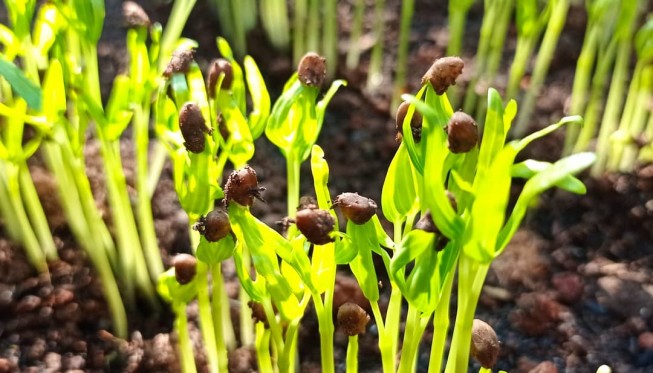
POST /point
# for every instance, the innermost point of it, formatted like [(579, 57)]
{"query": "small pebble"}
[(544, 367), (645, 341)]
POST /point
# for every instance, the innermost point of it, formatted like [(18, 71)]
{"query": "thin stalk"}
[(385, 346), (523, 52), (299, 30), (292, 168), (6, 207), (326, 328), (636, 126), (330, 37), (411, 341), (375, 70), (495, 53), (156, 164), (457, 22), (238, 40), (471, 276), (547, 49), (619, 142), (354, 52), (490, 19), (218, 308), (186, 354), (407, 10), (144, 205), (582, 79), (178, 16), (313, 26), (274, 16), (246, 322), (352, 354), (36, 214), (595, 105), (440, 328), (206, 321), (263, 348), (84, 231), (288, 358), (26, 236)]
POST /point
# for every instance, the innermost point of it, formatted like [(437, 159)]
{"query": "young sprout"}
[(358, 209), (315, 224), (217, 67), (352, 320), (485, 344), (242, 187), (193, 127), (462, 133), (185, 268), (311, 70), (443, 73)]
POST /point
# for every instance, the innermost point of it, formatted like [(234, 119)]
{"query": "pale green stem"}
[(274, 16), (375, 70), (354, 52), (263, 348), (330, 37), (412, 338), (36, 213), (471, 276), (407, 10), (326, 328), (440, 327), (292, 168), (144, 205), (544, 57), (178, 16), (299, 26), (205, 318), (637, 125), (523, 52), (313, 26), (457, 22), (186, 354), (352, 354), (218, 308)]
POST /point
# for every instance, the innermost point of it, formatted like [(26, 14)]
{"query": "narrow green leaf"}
[(29, 91), (260, 98), (398, 196)]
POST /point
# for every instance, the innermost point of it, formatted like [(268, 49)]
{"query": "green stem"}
[(635, 127), (457, 21), (407, 10), (246, 321), (411, 341), (178, 16), (471, 276), (375, 70), (292, 168), (186, 354), (523, 53), (274, 16), (36, 213), (354, 52), (326, 328), (299, 32), (352, 354), (206, 319), (330, 37), (263, 348), (545, 55), (440, 327), (220, 311), (385, 346), (156, 164), (144, 205), (238, 38), (6, 207)]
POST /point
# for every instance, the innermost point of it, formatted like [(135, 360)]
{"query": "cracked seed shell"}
[(443, 73), (352, 319), (242, 187), (179, 63), (134, 16), (311, 70)]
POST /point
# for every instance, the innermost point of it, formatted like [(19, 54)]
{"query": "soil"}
[(574, 289)]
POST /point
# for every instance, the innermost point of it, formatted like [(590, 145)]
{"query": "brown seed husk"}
[(216, 225), (219, 66), (258, 313), (185, 268), (193, 127), (315, 224), (415, 122), (352, 319), (356, 208), (485, 344), (179, 63), (242, 187), (134, 15), (311, 70), (462, 133), (443, 73)]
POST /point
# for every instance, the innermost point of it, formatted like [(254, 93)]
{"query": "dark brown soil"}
[(574, 290)]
